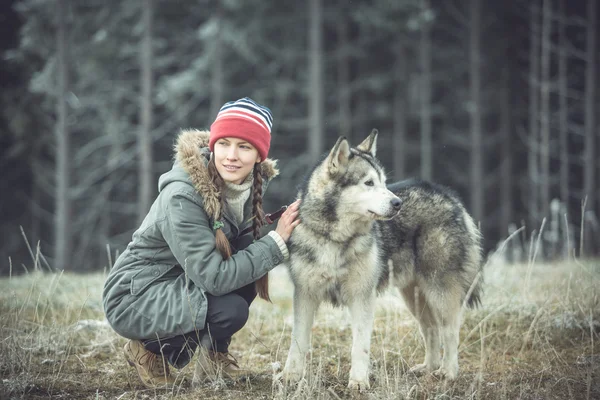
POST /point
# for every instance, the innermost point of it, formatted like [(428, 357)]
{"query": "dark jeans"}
[(225, 316)]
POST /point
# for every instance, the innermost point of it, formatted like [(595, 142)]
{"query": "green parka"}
[(157, 286)]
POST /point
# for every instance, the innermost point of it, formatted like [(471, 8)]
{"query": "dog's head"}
[(351, 181)]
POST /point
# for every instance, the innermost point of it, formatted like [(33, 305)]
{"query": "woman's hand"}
[(288, 221)]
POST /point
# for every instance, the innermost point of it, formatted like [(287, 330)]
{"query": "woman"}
[(188, 276)]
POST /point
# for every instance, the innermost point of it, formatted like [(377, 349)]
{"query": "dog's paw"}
[(446, 373), (289, 376), (361, 386), (420, 369)]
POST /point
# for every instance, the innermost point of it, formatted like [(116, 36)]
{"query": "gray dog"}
[(353, 227)]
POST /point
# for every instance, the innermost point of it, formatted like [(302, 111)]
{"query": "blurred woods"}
[(497, 100)]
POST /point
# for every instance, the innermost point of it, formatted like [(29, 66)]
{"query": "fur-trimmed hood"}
[(191, 160)]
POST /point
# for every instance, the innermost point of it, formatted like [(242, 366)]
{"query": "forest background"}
[(497, 100)]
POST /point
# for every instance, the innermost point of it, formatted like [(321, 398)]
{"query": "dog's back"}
[(433, 240)]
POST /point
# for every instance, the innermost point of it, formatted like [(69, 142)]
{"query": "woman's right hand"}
[(288, 221)]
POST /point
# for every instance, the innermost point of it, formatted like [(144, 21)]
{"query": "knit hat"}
[(243, 119)]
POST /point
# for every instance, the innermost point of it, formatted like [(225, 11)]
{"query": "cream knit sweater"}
[(235, 199)]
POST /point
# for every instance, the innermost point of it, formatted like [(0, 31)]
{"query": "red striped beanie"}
[(243, 119)]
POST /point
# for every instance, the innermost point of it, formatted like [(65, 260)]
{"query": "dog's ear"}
[(338, 157), (369, 145)]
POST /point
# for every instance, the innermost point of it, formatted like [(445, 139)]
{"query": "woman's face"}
[(234, 159)]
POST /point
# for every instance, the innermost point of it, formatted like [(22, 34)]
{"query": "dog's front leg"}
[(361, 311), (305, 308)]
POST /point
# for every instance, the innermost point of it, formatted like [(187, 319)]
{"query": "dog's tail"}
[(474, 263), (474, 294)]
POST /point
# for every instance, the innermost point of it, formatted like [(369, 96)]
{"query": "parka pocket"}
[(147, 276)]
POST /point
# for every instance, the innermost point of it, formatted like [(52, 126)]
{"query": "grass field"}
[(535, 337)]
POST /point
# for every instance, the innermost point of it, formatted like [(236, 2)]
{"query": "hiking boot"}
[(152, 368), (210, 363), (228, 364)]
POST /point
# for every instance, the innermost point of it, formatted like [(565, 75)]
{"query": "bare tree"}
[(400, 94), (316, 102), (218, 80), (361, 110), (36, 220), (589, 172), (116, 139), (425, 97), (532, 135), (145, 172), (590, 116), (343, 71), (62, 232), (506, 187), (545, 108), (476, 164), (563, 108)]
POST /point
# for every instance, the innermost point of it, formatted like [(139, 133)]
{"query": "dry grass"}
[(535, 337)]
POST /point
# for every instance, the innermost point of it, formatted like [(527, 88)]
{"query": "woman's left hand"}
[(288, 221)]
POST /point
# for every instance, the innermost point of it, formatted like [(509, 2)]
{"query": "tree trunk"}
[(589, 173), (425, 106), (532, 137), (62, 224), (36, 219), (399, 132), (563, 110), (116, 148), (345, 107), (217, 97), (316, 83), (506, 192), (545, 109), (145, 172), (476, 162)]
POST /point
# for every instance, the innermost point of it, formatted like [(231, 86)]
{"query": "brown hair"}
[(222, 243), (262, 284)]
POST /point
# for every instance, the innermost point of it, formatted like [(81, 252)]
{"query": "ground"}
[(535, 336)]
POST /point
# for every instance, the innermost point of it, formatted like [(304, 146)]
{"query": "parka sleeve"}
[(187, 232)]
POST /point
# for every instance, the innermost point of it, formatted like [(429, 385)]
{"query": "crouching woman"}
[(188, 276)]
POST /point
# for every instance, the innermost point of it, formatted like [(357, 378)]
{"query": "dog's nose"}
[(396, 203)]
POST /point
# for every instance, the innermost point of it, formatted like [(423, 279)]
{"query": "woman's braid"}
[(220, 239), (262, 284)]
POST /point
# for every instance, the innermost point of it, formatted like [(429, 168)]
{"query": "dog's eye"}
[(369, 182)]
